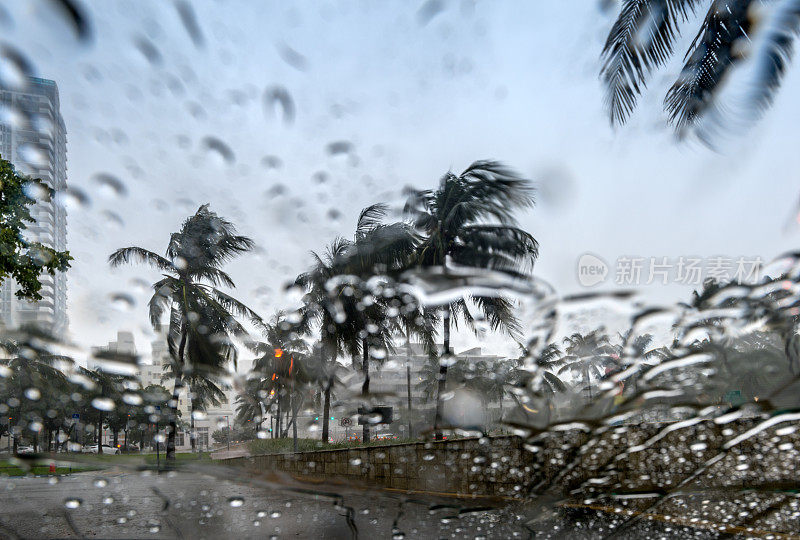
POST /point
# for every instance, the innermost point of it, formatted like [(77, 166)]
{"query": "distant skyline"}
[(244, 119)]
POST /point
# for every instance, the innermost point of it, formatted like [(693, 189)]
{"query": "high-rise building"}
[(33, 138)]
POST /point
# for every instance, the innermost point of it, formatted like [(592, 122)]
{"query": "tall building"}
[(34, 138), (123, 346)]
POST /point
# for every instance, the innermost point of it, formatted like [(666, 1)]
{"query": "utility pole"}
[(228, 423)]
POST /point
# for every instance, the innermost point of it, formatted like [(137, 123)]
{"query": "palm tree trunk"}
[(100, 435), (176, 391), (326, 410), (408, 386), (116, 438), (365, 386), (36, 442), (192, 435), (442, 372)]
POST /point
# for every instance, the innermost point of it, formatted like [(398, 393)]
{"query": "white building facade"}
[(33, 137)]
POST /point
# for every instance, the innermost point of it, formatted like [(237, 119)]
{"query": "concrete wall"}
[(623, 459)]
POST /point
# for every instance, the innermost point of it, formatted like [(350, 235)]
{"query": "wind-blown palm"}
[(643, 38), (468, 221), (326, 310), (588, 354), (202, 318), (28, 374), (377, 248)]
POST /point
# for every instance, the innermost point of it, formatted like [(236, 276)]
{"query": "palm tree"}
[(377, 248), (326, 310), (587, 354), (418, 322), (202, 318), (468, 222), (30, 380), (643, 39)]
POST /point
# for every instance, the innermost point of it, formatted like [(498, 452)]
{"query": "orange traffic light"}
[(278, 353)]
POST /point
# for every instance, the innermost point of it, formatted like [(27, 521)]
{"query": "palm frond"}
[(136, 254), (370, 218), (641, 40), (716, 48), (775, 56)]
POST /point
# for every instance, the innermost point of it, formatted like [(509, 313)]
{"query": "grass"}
[(92, 462), (8, 468), (284, 446)]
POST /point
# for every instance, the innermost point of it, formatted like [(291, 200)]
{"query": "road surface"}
[(218, 503)]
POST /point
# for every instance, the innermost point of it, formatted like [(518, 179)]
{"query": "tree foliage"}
[(22, 260)]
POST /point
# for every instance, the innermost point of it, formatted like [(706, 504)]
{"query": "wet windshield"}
[(429, 269)]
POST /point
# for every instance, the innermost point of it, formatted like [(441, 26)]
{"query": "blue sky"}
[(514, 81)]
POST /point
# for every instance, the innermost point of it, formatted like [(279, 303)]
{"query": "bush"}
[(285, 446)]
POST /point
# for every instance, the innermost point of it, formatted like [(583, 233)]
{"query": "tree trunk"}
[(176, 391), (442, 372), (408, 387), (15, 446), (116, 437), (279, 419), (365, 386), (100, 435), (35, 442), (326, 410), (192, 434), (294, 429)]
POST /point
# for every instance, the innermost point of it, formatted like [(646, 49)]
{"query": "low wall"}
[(627, 458)]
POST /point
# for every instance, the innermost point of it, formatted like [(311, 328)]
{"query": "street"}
[(201, 504)]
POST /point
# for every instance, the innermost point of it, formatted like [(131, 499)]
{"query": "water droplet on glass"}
[(33, 394), (100, 482), (122, 301), (236, 501), (219, 149), (103, 404), (110, 185), (72, 503), (278, 95)]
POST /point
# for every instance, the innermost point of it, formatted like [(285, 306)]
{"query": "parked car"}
[(25, 450), (92, 449), (385, 437)]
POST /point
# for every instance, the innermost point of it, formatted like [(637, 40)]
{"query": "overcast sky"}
[(416, 89)]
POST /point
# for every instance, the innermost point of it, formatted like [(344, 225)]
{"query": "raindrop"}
[(72, 503), (33, 155), (428, 11), (33, 394), (275, 514), (103, 404), (100, 482), (292, 57), (219, 148), (110, 185), (122, 301), (108, 500), (337, 148), (149, 50), (189, 21), (355, 462), (14, 68), (72, 199), (281, 96), (132, 399), (236, 502), (69, 10), (112, 218), (271, 162)]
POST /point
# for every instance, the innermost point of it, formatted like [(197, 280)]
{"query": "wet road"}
[(131, 504)]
